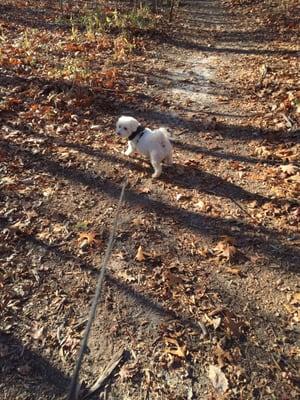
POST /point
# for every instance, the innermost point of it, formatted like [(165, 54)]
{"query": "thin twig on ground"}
[(106, 373)]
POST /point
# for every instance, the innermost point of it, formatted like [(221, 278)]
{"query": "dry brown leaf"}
[(37, 333), (145, 190), (253, 204), (289, 169), (87, 239), (140, 255), (217, 378), (226, 249), (128, 371), (200, 205), (216, 322), (263, 151), (172, 278), (289, 308), (182, 197), (295, 298), (234, 271), (233, 327), (222, 355), (175, 348), (294, 178)]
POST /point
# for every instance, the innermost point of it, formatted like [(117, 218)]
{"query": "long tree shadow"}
[(224, 155), (191, 147), (210, 15), (108, 103), (257, 238), (29, 17), (64, 255), (230, 301), (199, 180), (39, 379), (219, 49)]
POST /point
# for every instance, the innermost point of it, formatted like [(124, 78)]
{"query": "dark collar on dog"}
[(140, 131)]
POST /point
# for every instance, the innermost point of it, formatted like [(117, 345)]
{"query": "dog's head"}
[(126, 126)]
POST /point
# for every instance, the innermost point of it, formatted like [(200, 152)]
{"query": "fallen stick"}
[(106, 373)]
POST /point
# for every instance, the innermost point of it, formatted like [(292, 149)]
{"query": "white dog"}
[(155, 145)]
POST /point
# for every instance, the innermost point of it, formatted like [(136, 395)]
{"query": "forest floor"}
[(213, 243)]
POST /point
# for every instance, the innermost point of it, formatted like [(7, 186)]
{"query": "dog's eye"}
[(125, 128)]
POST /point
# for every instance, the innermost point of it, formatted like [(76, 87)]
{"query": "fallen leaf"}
[(182, 197), (234, 271), (37, 333), (263, 151), (222, 355), (145, 190), (226, 249), (128, 371), (263, 70), (295, 178), (172, 278), (295, 298), (87, 239), (232, 326), (140, 255), (289, 169), (216, 322), (217, 378), (175, 349), (200, 205)]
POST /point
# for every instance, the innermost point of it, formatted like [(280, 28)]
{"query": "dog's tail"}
[(166, 133)]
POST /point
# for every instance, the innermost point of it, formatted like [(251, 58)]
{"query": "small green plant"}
[(122, 47), (25, 41), (140, 18), (74, 30), (96, 21), (72, 68), (75, 69), (92, 23)]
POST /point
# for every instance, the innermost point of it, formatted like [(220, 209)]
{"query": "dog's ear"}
[(134, 124)]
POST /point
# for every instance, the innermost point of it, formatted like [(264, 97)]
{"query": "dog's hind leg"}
[(157, 168), (169, 159)]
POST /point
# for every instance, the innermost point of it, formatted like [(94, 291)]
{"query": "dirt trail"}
[(214, 250), (199, 76)]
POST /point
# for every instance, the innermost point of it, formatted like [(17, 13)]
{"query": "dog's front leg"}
[(130, 150)]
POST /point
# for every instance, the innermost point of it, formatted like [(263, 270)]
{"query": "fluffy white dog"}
[(155, 144)]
